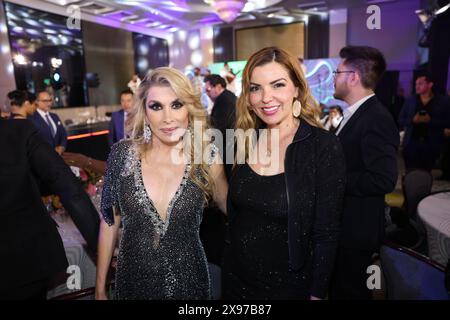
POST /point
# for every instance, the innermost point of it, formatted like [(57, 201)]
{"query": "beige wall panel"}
[(289, 37)]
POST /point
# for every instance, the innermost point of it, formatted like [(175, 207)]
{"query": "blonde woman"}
[(156, 189), (283, 212)]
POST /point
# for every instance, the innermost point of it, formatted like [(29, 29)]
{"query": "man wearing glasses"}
[(370, 140), (48, 123)]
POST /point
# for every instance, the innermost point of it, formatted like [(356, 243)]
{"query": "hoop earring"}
[(147, 132), (296, 108)]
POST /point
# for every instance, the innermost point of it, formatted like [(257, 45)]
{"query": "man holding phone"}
[(423, 119)]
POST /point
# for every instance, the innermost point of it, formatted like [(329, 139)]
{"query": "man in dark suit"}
[(118, 118), (48, 123), (223, 113), (370, 141), (31, 249), (212, 229)]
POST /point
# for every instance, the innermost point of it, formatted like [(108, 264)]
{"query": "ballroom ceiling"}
[(173, 15)]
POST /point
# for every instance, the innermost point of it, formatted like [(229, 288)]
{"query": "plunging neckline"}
[(172, 200)]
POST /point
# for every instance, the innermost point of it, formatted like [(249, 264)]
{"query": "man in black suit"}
[(48, 123), (223, 113), (212, 229), (370, 140), (31, 249)]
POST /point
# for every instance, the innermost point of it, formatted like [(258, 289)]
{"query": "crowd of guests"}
[(300, 220)]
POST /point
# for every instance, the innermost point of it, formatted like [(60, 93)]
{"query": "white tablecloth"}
[(434, 211), (76, 255)]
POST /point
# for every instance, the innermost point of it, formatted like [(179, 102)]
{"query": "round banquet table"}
[(74, 246), (434, 211)]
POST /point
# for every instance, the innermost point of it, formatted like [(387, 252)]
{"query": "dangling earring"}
[(191, 131), (296, 108), (186, 140), (147, 132)]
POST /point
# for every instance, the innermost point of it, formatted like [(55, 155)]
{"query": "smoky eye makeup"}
[(177, 104), (155, 106)]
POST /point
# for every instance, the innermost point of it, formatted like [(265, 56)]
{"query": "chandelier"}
[(227, 10)]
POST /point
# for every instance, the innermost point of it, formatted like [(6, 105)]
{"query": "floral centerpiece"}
[(91, 183)]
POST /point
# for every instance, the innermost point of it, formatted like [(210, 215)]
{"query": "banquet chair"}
[(416, 186), (409, 230), (411, 276)]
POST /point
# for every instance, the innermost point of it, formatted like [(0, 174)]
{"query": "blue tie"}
[(52, 130)]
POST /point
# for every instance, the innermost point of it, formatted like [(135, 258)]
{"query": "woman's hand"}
[(100, 295)]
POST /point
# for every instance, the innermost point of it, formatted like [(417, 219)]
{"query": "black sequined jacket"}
[(315, 183)]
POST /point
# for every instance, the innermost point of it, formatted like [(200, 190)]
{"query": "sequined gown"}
[(256, 260), (157, 259)]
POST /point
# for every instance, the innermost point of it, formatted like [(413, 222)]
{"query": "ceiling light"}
[(227, 10), (20, 59)]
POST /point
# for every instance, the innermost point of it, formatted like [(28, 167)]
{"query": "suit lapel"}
[(354, 119), (43, 124), (57, 121), (121, 125)]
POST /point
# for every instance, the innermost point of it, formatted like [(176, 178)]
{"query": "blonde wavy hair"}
[(181, 86), (247, 119)]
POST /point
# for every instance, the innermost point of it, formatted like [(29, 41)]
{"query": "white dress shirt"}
[(43, 114), (351, 110)]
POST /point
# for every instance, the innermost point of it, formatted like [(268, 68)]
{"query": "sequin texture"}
[(157, 259), (256, 262)]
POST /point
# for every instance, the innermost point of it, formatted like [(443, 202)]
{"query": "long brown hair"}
[(246, 118)]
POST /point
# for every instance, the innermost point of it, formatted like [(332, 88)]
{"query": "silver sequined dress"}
[(157, 259)]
